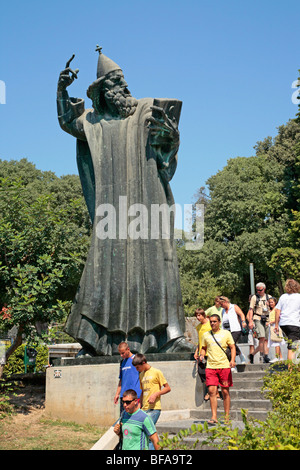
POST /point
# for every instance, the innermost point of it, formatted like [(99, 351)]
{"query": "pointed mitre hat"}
[(104, 67)]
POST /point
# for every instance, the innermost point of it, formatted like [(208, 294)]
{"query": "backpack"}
[(257, 302)]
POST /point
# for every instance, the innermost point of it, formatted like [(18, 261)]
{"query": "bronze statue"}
[(126, 156)]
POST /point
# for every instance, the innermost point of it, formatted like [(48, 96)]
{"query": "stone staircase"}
[(245, 394)]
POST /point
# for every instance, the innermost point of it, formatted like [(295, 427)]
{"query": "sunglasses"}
[(127, 402)]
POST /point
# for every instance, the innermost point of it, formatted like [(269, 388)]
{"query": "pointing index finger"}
[(69, 61)]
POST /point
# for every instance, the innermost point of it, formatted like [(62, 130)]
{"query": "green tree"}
[(298, 114), (251, 216), (286, 259), (44, 236), (246, 196), (244, 221)]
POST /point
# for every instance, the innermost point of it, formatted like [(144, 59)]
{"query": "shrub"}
[(282, 387), (15, 363)]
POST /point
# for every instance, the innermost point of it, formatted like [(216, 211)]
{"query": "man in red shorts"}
[(218, 369)]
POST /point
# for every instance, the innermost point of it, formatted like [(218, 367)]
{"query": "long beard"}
[(123, 102)]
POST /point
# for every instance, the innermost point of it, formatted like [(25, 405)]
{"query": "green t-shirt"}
[(214, 310), (136, 429)]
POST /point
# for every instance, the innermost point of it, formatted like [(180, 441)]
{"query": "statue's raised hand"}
[(67, 76)]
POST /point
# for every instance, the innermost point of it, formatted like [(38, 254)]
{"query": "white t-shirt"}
[(289, 306)]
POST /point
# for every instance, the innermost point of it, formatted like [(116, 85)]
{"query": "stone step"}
[(252, 367), (173, 427), (238, 403), (235, 414), (242, 384), (246, 394), (249, 374), (237, 381)]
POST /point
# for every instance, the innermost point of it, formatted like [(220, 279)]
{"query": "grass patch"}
[(35, 431)]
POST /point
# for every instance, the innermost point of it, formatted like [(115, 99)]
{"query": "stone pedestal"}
[(82, 390)]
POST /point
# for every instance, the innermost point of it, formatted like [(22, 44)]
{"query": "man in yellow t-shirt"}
[(153, 385), (203, 326), (218, 369)]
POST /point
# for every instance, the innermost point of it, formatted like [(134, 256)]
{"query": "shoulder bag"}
[(227, 351), (276, 338)]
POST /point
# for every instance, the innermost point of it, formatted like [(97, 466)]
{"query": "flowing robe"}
[(130, 287)]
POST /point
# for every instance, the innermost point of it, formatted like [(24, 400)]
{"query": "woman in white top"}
[(230, 321), (288, 315)]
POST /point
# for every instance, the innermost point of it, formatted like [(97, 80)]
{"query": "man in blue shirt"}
[(128, 377), (136, 426)]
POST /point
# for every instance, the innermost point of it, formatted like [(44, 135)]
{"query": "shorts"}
[(292, 333), (261, 329), (222, 377)]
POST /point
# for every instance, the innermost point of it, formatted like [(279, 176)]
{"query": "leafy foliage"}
[(44, 235), (251, 216), (283, 389), (15, 364), (271, 434)]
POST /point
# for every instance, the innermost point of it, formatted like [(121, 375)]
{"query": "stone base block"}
[(84, 393)]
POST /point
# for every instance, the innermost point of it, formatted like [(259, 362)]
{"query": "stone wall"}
[(85, 393)]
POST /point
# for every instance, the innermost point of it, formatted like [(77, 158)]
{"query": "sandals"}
[(212, 421)]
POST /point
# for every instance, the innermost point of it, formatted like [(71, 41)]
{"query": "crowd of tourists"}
[(269, 323)]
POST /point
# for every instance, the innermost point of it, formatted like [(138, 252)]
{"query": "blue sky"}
[(232, 63)]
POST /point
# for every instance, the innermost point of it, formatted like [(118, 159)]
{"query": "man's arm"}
[(250, 318), (233, 355), (142, 394), (117, 395), (240, 313), (202, 352), (117, 429), (196, 355), (165, 389), (251, 312), (155, 440)]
